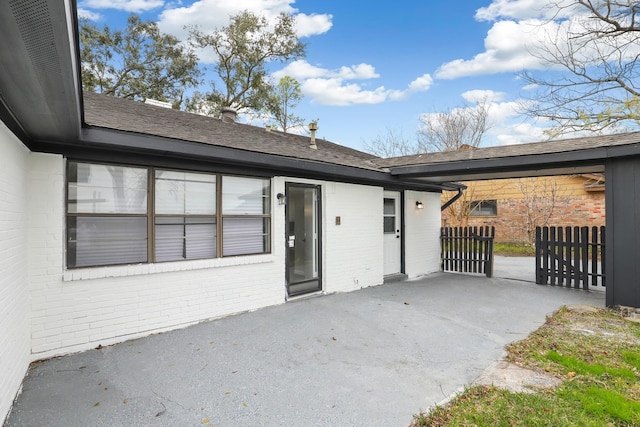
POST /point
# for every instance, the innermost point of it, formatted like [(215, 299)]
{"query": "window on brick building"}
[(110, 219), (483, 208)]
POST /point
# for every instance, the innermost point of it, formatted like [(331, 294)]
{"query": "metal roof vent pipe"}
[(313, 127), (229, 114)]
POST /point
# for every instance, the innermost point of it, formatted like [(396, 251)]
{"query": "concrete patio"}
[(372, 357)]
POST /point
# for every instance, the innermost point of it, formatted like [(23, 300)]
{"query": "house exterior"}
[(511, 204), (102, 246), (120, 219)]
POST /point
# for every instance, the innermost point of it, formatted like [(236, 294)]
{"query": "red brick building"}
[(516, 206)]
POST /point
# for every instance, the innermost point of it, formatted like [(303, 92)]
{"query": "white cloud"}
[(334, 91), (336, 87), (360, 71), (518, 133), (421, 84), (526, 9), (135, 6), (314, 24), (87, 14), (490, 96), (508, 126), (301, 70), (523, 31), (508, 47)]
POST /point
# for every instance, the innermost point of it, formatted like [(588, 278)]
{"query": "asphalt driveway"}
[(373, 357)]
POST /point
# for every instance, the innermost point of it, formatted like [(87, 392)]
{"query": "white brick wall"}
[(14, 298), (422, 233), (72, 310), (353, 250)]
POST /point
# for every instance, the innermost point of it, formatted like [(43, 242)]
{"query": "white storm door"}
[(392, 236)]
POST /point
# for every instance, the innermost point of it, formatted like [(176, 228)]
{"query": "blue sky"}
[(376, 66)]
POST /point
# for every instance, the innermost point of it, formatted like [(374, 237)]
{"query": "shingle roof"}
[(131, 116), (548, 147)]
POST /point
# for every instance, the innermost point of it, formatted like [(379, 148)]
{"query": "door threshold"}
[(305, 296), (396, 277)]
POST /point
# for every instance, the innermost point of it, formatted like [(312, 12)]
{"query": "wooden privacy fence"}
[(467, 249), (570, 256)]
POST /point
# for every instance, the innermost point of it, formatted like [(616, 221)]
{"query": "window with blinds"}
[(245, 216), (110, 219), (107, 215), (185, 215)]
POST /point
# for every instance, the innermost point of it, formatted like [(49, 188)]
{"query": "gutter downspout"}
[(452, 200)]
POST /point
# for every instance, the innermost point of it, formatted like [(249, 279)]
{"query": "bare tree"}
[(596, 51), (458, 128), (540, 199), (458, 213), (392, 143)]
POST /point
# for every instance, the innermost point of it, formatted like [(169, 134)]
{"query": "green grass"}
[(604, 404), (597, 356), (508, 249), (592, 369)]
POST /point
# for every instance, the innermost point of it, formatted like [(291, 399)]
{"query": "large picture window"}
[(110, 219)]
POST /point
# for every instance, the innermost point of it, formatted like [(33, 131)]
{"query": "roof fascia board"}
[(541, 161), (101, 141), (623, 150)]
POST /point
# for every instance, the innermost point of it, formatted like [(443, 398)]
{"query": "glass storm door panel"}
[(392, 236), (303, 239)]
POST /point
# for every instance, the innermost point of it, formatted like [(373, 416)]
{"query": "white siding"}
[(422, 233), (14, 298)]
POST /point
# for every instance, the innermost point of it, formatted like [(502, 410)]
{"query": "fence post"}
[(577, 246), (538, 255), (489, 267), (566, 257), (602, 255), (584, 268), (483, 250), (546, 255)]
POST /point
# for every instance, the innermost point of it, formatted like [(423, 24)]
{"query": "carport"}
[(618, 156)]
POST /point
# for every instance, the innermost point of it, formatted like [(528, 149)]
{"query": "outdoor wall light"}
[(419, 205), (282, 199)]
